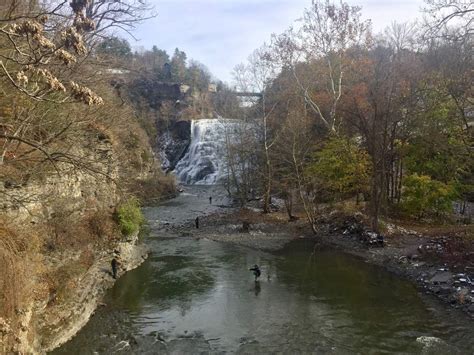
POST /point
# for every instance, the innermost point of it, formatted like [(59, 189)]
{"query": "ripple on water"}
[(199, 295)]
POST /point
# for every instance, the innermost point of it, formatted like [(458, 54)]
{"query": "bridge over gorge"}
[(248, 94)]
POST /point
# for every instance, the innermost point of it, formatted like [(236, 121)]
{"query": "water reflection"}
[(199, 295), (257, 288)]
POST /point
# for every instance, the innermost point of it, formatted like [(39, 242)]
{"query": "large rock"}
[(442, 277), (174, 143)]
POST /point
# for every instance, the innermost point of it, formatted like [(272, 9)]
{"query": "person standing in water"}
[(196, 222), (256, 271), (210, 200)]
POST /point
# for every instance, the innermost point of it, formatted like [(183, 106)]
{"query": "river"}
[(198, 296)]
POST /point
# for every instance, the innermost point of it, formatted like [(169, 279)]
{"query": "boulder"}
[(442, 277)]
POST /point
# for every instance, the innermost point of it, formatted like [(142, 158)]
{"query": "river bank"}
[(59, 324), (424, 260), (195, 292), (430, 262), (49, 323), (433, 263)]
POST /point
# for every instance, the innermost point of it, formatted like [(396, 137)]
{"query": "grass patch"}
[(129, 216)]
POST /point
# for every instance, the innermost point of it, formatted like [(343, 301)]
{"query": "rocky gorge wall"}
[(58, 234), (173, 144)]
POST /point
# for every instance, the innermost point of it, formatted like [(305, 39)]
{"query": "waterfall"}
[(204, 162)]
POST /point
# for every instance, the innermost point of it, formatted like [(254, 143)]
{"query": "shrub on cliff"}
[(129, 216), (155, 188)]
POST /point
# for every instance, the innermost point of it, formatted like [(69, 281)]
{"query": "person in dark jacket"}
[(210, 200), (115, 264), (196, 222), (256, 271)]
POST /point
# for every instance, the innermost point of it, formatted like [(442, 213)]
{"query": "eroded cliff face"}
[(58, 235), (174, 143)]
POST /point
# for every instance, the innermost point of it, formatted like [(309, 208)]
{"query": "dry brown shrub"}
[(17, 246), (156, 188), (102, 225), (100, 131), (64, 279), (67, 231), (72, 229), (12, 275), (87, 258)]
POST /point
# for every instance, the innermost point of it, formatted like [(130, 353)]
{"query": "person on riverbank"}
[(115, 265), (256, 271), (196, 222)]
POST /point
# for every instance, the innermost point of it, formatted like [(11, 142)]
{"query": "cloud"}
[(222, 33)]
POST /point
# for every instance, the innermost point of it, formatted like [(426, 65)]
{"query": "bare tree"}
[(46, 71), (256, 76), (453, 19), (317, 54), (241, 159), (401, 36), (295, 148)]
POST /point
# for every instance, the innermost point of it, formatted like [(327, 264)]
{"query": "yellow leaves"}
[(424, 195), (83, 23), (341, 167), (43, 19), (33, 46), (73, 39), (21, 79), (34, 29), (64, 56), (29, 27), (51, 81), (39, 75), (86, 95), (44, 42)]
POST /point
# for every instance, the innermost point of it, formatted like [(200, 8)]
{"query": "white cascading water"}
[(204, 162)]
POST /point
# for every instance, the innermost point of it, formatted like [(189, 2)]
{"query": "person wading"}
[(196, 222), (210, 200), (256, 271)]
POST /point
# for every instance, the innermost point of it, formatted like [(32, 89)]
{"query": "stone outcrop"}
[(174, 143), (56, 325), (66, 276)]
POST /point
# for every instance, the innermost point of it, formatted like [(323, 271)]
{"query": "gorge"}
[(138, 190)]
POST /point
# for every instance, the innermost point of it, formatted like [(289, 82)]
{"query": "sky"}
[(222, 33)]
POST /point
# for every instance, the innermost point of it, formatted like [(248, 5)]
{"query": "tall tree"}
[(255, 76), (327, 32), (449, 19), (178, 66)]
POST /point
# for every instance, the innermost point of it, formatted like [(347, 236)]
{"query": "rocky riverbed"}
[(425, 260), (432, 263), (196, 294), (422, 259)]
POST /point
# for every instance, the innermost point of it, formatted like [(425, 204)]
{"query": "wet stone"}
[(188, 346), (442, 277), (444, 290)]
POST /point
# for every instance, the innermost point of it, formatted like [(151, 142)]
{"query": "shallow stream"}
[(198, 296)]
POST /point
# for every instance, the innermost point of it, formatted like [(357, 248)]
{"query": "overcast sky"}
[(222, 33)]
